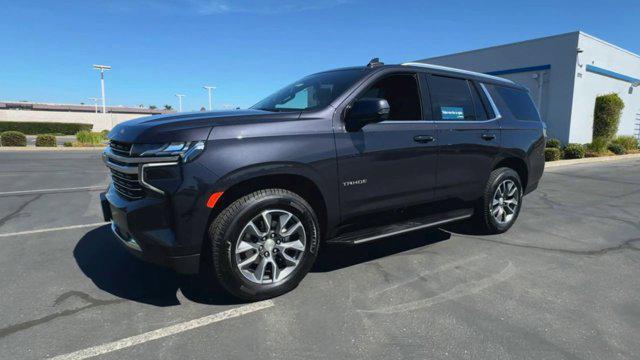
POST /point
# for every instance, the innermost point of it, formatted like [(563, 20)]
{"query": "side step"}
[(378, 232)]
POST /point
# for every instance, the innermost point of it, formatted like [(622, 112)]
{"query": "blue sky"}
[(249, 48)]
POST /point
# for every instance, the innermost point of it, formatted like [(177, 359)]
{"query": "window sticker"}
[(452, 113)]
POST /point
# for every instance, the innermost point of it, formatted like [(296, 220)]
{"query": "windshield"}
[(311, 92)]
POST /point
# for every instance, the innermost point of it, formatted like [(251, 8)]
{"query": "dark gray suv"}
[(343, 156)]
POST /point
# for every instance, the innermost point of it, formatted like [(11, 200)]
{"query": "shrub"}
[(617, 149), (89, 138), (598, 145), (628, 142), (553, 143), (574, 151), (104, 134), (606, 117), (35, 128), (552, 154), (67, 144), (46, 140), (13, 138)]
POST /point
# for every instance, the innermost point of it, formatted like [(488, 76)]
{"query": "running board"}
[(379, 232)]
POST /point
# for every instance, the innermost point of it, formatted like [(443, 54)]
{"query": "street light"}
[(102, 68), (95, 104), (209, 88), (180, 96)]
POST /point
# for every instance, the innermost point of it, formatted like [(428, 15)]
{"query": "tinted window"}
[(311, 92), (481, 112), (451, 99), (517, 102), (401, 92)]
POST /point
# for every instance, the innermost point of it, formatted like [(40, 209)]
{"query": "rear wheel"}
[(500, 206), (264, 243)]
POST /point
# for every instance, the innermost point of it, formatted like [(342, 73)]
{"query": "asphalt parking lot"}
[(562, 284)]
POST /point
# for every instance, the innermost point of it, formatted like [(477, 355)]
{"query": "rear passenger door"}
[(468, 136)]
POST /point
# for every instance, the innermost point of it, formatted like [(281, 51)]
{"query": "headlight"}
[(188, 151)]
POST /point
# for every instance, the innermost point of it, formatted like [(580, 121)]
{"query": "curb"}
[(41, 149), (558, 163)]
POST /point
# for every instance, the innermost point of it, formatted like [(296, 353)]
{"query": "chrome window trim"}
[(496, 112), (141, 174), (459, 71)]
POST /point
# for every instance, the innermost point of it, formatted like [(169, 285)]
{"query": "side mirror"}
[(366, 111)]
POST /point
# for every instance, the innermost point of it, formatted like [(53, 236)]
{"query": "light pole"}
[(102, 68), (95, 104), (180, 96), (209, 89)]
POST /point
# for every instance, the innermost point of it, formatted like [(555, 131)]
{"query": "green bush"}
[(574, 151), (617, 149), (606, 117), (35, 128), (67, 144), (553, 143), (552, 154), (598, 145), (104, 134), (89, 138), (13, 138), (628, 142), (46, 140)]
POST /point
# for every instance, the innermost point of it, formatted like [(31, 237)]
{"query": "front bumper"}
[(144, 237)]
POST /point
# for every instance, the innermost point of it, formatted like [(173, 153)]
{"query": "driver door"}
[(392, 163)]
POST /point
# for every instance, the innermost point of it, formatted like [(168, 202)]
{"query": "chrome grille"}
[(127, 185), (120, 148)]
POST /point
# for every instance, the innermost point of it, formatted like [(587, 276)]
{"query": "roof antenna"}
[(375, 62)]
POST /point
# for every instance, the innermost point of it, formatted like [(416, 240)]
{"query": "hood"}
[(188, 126)]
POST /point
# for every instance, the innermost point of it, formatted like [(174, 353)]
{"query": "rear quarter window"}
[(517, 102)]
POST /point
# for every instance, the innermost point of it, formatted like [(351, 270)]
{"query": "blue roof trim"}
[(519, 70), (612, 74)]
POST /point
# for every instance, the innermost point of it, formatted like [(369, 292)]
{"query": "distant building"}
[(67, 113), (564, 74)]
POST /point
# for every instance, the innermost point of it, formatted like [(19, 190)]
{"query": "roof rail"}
[(460, 71)]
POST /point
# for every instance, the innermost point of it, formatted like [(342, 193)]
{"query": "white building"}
[(564, 74), (22, 111)]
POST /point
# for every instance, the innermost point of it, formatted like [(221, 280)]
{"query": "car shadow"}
[(333, 256), (113, 269)]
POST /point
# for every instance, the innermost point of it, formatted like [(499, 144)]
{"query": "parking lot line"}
[(39, 191), (53, 229), (164, 332)]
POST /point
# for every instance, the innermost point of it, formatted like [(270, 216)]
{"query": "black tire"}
[(484, 218), (226, 228)]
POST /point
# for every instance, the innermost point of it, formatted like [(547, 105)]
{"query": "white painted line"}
[(53, 229), (164, 332), (27, 192)]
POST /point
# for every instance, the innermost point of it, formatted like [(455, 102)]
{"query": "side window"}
[(516, 101), (401, 92), (481, 111), (298, 100), (451, 98)]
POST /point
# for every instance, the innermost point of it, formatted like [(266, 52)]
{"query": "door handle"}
[(488, 136), (423, 138)]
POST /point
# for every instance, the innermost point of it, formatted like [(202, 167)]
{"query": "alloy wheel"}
[(270, 246), (504, 205)]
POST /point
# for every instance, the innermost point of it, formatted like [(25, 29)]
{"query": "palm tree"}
[(168, 107), (152, 107)]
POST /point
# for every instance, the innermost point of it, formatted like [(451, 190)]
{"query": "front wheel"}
[(500, 206), (264, 243)]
